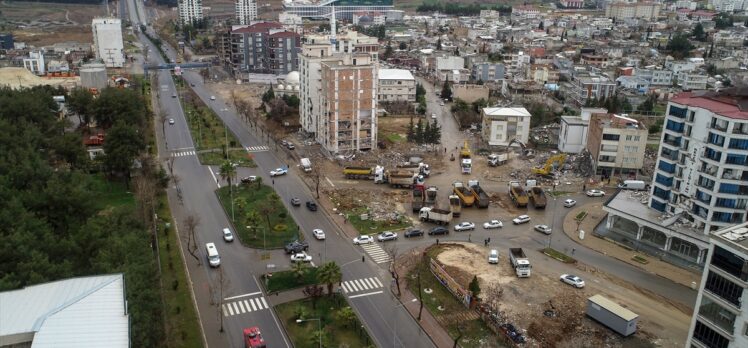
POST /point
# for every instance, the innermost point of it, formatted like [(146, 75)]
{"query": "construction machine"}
[(553, 162), (466, 162)]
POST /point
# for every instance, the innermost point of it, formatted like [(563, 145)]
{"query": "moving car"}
[(521, 219), (279, 172), (253, 338), (212, 97), (363, 240), (214, 260), (543, 229), (318, 233), (311, 205), (570, 203), (493, 256), (174, 95), (438, 231), (465, 226), (572, 280), (227, 235), (295, 202), (414, 233), (171, 121), (386, 235), (493, 224), (595, 193), (249, 179), (433, 115), (301, 257), (192, 85), (296, 247)]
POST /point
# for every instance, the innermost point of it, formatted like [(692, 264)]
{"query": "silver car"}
[(543, 229)]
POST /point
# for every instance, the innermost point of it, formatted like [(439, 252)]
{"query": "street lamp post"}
[(553, 219), (226, 135), (319, 327)]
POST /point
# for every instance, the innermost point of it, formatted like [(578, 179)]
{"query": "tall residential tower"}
[(246, 11)]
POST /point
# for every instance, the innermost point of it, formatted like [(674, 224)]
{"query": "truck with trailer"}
[(520, 262), (537, 197), (517, 194), (420, 168), (435, 215), (481, 197), (366, 173), (466, 196), (430, 196), (455, 205), (417, 199), (306, 165)]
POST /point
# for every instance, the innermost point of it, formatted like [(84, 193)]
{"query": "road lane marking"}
[(366, 294), (241, 306), (225, 314), (236, 308), (361, 284), (264, 302), (330, 181), (214, 177), (272, 314), (240, 296), (231, 311)]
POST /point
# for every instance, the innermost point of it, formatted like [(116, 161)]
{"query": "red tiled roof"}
[(259, 27), (284, 34), (724, 105)]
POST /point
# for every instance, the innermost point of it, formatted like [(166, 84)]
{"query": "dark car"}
[(295, 201), (311, 205), (413, 233), (290, 146), (296, 247), (438, 231)]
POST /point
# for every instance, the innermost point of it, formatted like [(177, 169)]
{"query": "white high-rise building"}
[(246, 11), (108, 44), (190, 11)]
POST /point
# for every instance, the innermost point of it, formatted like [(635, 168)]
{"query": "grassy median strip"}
[(558, 255), (288, 280), (261, 219), (339, 323)]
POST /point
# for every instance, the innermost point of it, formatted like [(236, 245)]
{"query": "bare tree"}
[(170, 164), (392, 250), (223, 284), (420, 295), (460, 327), (316, 179), (191, 223), (492, 296)]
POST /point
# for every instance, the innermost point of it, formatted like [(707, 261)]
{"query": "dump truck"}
[(430, 197), (417, 200), (495, 160), (466, 196), (401, 178), (455, 205), (537, 197), (517, 194), (481, 197), (466, 162), (359, 172), (435, 215), (520, 262), (421, 168), (306, 165)]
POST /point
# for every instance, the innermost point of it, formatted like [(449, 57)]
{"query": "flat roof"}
[(734, 235), (395, 74), (613, 307), (575, 120), (510, 111), (635, 204)]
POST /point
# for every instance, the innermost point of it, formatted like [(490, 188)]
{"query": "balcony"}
[(718, 127)]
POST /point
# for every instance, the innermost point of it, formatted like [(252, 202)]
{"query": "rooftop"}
[(731, 102), (574, 120), (510, 111), (395, 74), (619, 121), (735, 235)]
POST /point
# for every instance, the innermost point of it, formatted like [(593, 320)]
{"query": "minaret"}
[(333, 31)]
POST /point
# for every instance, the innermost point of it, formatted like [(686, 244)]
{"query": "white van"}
[(213, 259), (493, 256), (637, 185)]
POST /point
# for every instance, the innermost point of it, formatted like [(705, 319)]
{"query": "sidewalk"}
[(655, 266)]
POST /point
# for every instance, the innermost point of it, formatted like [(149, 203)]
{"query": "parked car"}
[(253, 338), (279, 171), (363, 240), (493, 224), (318, 233), (414, 233), (301, 257), (570, 203), (174, 95), (284, 142), (433, 115), (212, 97), (249, 179), (441, 103), (464, 226), (572, 280), (386, 235), (595, 193), (543, 229), (311, 205), (290, 146), (295, 202), (296, 247), (521, 219), (227, 235), (493, 256), (439, 230), (171, 121), (192, 85)]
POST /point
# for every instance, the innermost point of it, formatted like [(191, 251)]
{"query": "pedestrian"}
[(437, 241), (363, 259), (485, 242), (470, 235), (489, 239), (273, 181), (573, 250), (584, 187), (445, 150)]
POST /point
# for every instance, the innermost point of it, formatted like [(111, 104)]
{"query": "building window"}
[(717, 315), (709, 337), (657, 205), (677, 112), (662, 194), (740, 144), (716, 139), (730, 263), (724, 288), (735, 159), (613, 137), (666, 167)]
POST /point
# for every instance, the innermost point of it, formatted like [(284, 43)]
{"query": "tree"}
[(268, 95), (426, 138), (679, 45), (698, 32), (403, 46), (227, 171), (387, 51), (119, 104), (299, 270), (329, 274), (420, 91), (420, 295), (80, 101), (446, 90), (190, 224), (435, 133), (474, 287), (439, 44), (252, 219), (278, 109), (346, 315), (541, 26), (419, 132), (723, 20), (314, 292), (122, 146), (411, 132)]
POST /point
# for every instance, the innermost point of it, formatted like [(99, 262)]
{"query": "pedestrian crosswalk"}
[(183, 153), (257, 148), (376, 252), (361, 284), (244, 306)]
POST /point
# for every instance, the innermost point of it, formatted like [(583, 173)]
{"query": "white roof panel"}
[(395, 74), (512, 111)]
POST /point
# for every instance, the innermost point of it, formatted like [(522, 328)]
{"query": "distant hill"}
[(170, 3)]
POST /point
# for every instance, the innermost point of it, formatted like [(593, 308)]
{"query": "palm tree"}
[(329, 274), (299, 270), (259, 182), (227, 171)]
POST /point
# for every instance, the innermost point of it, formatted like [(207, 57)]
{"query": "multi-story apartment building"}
[(572, 138), (486, 72), (591, 86), (344, 9), (246, 11), (692, 81), (264, 47), (396, 85), (642, 10), (525, 11), (572, 3), (108, 44), (596, 60), (190, 11), (720, 320), (542, 73), (501, 126), (339, 91), (617, 144), (656, 77)]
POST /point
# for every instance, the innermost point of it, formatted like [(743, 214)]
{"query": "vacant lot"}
[(41, 24)]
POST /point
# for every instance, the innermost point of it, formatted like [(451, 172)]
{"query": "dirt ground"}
[(528, 309), (40, 24)]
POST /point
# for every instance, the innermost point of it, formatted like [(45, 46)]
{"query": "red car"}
[(253, 338)]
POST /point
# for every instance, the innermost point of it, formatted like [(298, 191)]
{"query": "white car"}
[(301, 257), (543, 229), (595, 193), (386, 235), (465, 226), (493, 256), (521, 219), (493, 224), (441, 103), (572, 280), (433, 115), (570, 203), (227, 235), (319, 234), (171, 121), (363, 240), (278, 172), (212, 97)]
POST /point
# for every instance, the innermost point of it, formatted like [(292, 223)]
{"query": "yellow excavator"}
[(554, 161), (465, 151)]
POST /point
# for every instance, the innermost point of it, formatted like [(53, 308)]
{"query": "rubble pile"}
[(545, 135), (380, 205)]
